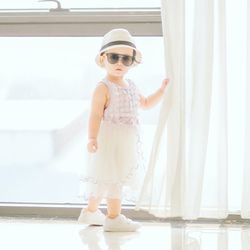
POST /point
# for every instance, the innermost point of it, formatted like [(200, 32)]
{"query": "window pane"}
[(45, 90), (34, 4)]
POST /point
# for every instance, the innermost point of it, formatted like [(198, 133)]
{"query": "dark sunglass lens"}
[(127, 60), (113, 58)]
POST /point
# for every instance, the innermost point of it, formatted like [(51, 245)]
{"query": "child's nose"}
[(119, 61)]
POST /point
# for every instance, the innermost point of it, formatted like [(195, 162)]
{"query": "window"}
[(46, 79), (45, 92), (34, 4)]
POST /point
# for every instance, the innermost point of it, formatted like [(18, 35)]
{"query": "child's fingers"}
[(166, 81), (92, 147)]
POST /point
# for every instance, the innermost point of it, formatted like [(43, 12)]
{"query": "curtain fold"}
[(191, 135), (245, 211), (161, 180), (201, 79), (206, 128)]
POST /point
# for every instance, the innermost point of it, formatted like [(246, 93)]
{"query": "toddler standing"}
[(113, 136)]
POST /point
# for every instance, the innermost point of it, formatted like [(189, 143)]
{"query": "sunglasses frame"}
[(120, 57)]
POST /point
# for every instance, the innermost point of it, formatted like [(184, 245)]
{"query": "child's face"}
[(118, 69)]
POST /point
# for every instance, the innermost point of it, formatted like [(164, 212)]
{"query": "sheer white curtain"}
[(162, 186), (245, 212), (190, 151)]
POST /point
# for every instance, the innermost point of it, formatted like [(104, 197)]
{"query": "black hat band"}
[(117, 43)]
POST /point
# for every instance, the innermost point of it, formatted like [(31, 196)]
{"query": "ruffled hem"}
[(128, 193), (117, 169)]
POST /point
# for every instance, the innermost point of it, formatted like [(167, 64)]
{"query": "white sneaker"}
[(96, 218), (120, 224)]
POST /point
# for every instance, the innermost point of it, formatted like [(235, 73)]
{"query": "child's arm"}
[(152, 100), (99, 101)]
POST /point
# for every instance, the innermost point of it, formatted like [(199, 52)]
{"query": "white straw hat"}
[(117, 38)]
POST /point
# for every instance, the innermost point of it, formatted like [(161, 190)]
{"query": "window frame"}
[(79, 23), (91, 22)]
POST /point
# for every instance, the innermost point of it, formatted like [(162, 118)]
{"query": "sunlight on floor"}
[(57, 234)]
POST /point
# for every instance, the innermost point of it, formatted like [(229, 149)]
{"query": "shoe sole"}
[(90, 223), (119, 230)]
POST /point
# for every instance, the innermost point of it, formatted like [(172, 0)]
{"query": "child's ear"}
[(101, 59)]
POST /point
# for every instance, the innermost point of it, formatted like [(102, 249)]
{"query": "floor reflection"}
[(53, 234), (170, 237), (92, 237)]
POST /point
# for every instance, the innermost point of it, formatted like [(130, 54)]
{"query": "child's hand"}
[(164, 84), (92, 145)]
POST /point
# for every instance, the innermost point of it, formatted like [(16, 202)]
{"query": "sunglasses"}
[(126, 60)]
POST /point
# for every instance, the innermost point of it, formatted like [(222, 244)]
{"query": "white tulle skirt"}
[(116, 170)]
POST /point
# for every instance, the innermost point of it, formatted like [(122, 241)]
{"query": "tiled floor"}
[(37, 234)]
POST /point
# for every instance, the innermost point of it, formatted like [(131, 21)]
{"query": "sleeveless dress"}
[(115, 171)]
